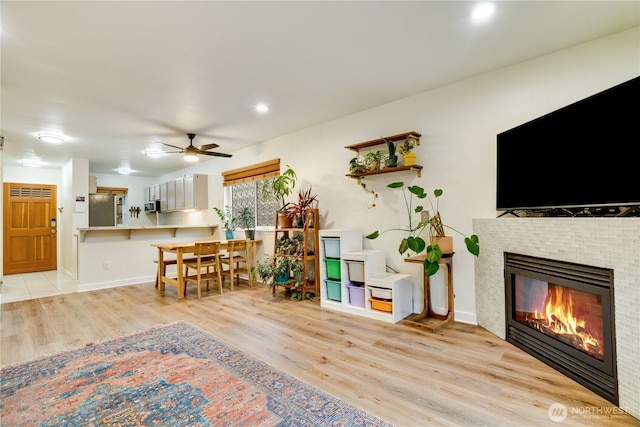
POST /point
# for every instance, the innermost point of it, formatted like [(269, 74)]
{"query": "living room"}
[(458, 123)]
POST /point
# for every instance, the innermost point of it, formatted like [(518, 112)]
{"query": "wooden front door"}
[(29, 228)]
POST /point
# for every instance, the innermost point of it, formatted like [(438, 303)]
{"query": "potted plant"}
[(281, 187), (436, 228), (392, 159), (373, 160), (228, 222), (246, 220), (356, 165), (278, 271), (406, 150), (297, 212)]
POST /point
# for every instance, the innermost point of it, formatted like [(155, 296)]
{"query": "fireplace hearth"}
[(562, 313)]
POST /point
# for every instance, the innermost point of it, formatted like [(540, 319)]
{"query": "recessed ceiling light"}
[(124, 170), (32, 162), (262, 108), (52, 138), (483, 11)]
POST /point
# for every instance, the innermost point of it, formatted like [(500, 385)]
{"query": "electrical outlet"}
[(106, 265), (424, 217)]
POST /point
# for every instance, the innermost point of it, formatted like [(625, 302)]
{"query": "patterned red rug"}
[(172, 375)]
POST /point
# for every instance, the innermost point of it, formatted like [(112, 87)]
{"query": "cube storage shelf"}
[(362, 277)]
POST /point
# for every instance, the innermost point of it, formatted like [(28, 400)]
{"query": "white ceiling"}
[(118, 77)]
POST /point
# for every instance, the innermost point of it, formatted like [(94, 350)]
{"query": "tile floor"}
[(19, 287)]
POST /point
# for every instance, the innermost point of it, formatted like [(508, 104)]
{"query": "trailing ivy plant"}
[(413, 242)]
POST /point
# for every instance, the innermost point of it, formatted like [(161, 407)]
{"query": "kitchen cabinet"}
[(184, 193)]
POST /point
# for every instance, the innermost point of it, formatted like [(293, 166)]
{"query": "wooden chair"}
[(238, 261), (207, 255)]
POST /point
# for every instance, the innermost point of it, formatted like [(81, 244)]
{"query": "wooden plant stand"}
[(428, 319)]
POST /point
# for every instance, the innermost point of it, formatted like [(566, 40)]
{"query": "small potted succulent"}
[(228, 222), (436, 229)]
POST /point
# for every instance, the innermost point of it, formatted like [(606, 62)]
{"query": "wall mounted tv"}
[(584, 155)]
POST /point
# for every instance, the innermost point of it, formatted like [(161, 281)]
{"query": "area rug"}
[(171, 375)]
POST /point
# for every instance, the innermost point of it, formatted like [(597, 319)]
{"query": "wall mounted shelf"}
[(383, 141)]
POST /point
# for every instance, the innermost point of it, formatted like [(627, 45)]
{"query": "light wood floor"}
[(461, 376)]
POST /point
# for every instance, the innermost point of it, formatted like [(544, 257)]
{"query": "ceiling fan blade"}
[(213, 153), (172, 146), (206, 147)]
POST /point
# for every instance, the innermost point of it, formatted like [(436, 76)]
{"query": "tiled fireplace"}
[(607, 244)]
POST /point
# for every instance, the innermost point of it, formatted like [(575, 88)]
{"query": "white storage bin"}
[(381, 293), (331, 247), (356, 271)]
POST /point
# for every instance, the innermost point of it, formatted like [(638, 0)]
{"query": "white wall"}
[(458, 123)]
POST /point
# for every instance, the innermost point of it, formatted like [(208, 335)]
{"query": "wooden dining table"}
[(182, 248)]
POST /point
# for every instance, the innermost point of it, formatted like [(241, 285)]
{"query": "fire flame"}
[(559, 319)]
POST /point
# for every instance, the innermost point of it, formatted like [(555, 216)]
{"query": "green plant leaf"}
[(473, 244), (404, 246), (416, 244), (430, 268), (419, 209), (418, 191), (437, 192), (372, 236), (433, 253), (395, 185)]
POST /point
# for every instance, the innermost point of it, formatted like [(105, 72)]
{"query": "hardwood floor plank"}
[(462, 375)]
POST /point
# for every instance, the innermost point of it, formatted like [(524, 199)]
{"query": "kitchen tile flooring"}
[(19, 287)]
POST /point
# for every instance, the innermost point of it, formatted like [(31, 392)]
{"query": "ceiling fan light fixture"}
[(52, 138), (190, 157)]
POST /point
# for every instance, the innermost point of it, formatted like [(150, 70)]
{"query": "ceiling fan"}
[(191, 152)]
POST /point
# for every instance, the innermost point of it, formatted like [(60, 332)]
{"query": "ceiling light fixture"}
[(32, 162), (262, 108), (190, 154), (124, 170), (52, 138), (483, 11)]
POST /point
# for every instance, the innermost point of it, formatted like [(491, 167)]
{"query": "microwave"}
[(152, 206)]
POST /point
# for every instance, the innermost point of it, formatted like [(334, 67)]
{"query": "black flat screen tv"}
[(584, 155)]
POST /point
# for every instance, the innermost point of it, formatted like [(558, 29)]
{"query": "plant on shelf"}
[(246, 220), (277, 271), (373, 160), (280, 187), (297, 211), (436, 229), (392, 159), (356, 166), (406, 150), (228, 222)]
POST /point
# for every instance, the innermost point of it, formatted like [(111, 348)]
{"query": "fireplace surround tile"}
[(601, 242)]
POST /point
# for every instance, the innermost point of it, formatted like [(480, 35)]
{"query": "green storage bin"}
[(333, 268), (334, 290)]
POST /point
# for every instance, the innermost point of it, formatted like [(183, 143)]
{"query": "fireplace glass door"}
[(562, 314), (568, 315)]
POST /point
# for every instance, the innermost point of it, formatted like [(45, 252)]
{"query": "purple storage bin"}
[(356, 295)]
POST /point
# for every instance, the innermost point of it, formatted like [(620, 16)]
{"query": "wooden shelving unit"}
[(310, 255), (383, 141)]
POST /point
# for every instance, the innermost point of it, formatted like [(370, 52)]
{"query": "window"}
[(244, 189)]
